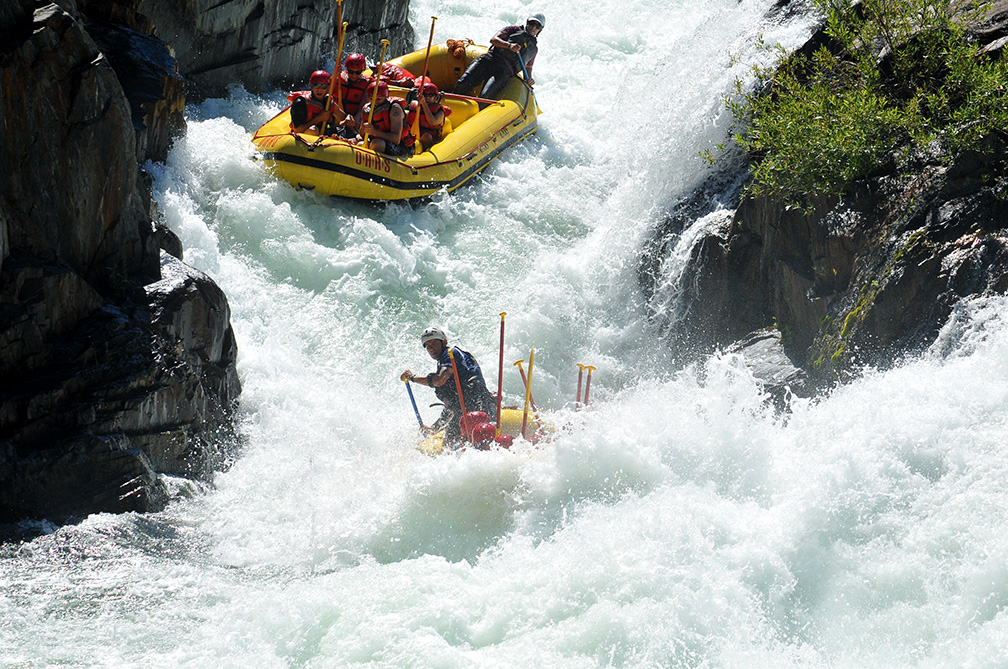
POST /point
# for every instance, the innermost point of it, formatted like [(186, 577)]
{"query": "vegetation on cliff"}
[(889, 81)]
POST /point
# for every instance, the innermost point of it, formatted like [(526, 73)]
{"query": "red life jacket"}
[(435, 130), (397, 75), (353, 92), (314, 106), (382, 120)]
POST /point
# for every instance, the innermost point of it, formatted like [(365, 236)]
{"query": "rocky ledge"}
[(117, 361), (856, 280)]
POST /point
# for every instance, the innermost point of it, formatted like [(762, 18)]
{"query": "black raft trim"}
[(392, 183)]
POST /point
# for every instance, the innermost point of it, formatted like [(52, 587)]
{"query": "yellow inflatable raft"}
[(337, 167), (511, 423)]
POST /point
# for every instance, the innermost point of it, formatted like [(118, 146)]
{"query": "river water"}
[(677, 521)]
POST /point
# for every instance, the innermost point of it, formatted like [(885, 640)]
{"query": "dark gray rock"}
[(66, 124), (852, 280), (261, 43), (103, 384), (765, 356)]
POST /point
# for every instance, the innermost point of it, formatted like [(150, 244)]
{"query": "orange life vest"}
[(382, 120)]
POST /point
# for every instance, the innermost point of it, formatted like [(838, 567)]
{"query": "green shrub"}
[(901, 78)]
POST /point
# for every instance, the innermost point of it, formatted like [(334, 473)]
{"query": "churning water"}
[(676, 522)]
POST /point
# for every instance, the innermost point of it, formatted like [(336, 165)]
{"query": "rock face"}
[(263, 42), (859, 279), (116, 361)]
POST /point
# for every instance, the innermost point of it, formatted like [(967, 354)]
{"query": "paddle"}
[(416, 117), (528, 84), (588, 382), (500, 372), (528, 392), (459, 96), (525, 382), (525, 73), (458, 386), (334, 80), (577, 398), (413, 402), (374, 96)]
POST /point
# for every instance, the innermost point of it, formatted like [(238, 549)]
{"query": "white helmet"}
[(537, 18), (430, 334)]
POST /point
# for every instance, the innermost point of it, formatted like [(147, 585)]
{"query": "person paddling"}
[(509, 49), (353, 86), (308, 108), (474, 390), (387, 132), (432, 112)]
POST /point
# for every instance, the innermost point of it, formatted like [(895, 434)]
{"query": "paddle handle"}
[(374, 96)]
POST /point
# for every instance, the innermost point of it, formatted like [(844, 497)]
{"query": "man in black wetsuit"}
[(474, 390), (509, 48)]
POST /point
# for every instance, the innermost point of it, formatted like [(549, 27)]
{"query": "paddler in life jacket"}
[(495, 68), (432, 113), (387, 133), (353, 89), (474, 390), (308, 108)]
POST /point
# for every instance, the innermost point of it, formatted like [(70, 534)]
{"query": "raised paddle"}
[(416, 117), (577, 398), (374, 96), (458, 386), (500, 371), (588, 382), (525, 382), (528, 392), (334, 81)]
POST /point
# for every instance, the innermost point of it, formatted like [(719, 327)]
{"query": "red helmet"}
[(484, 432), (356, 61), (382, 89), (320, 77), (428, 85)]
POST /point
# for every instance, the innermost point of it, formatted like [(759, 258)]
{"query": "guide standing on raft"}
[(510, 49)]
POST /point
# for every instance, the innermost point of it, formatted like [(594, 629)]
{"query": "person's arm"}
[(501, 40), (434, 379), (432, 119), (319, 119), (395, 123)]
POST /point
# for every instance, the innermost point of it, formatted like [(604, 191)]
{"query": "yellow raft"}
[(337, 167), (511, 423)]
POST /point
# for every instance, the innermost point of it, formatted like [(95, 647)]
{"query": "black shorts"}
[(397, 150)]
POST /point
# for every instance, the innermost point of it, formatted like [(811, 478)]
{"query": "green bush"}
[(901, 78)]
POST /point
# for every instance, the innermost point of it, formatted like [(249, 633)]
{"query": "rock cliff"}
[(858, 279), (258, 43), (117, 360)]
